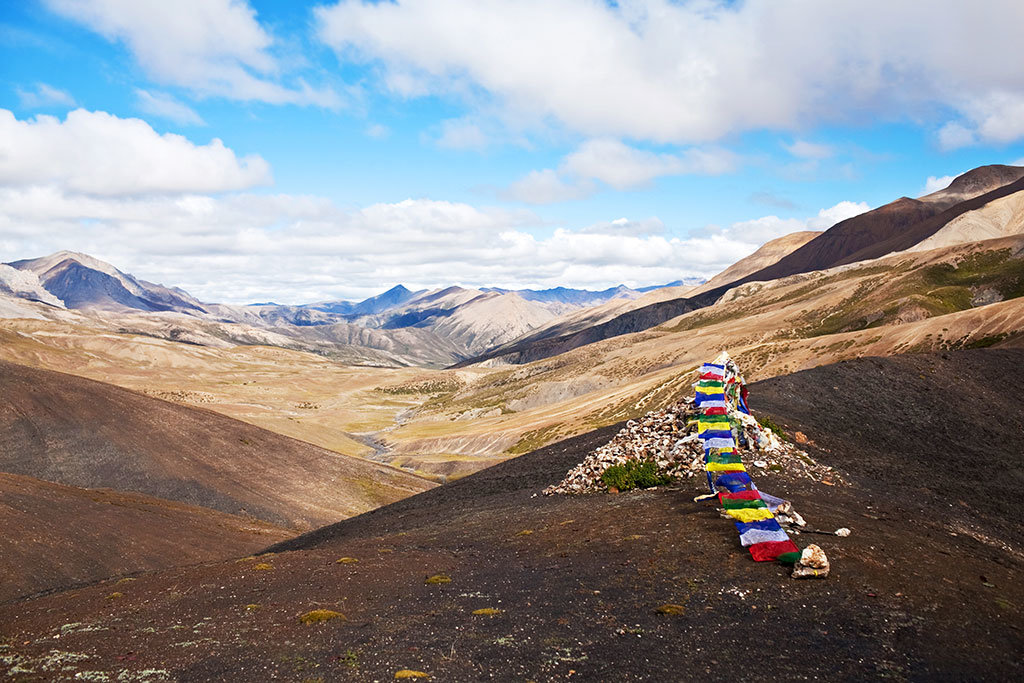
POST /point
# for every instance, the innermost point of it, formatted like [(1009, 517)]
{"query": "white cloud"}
[(43, 95), (617, 165), (98, 153), (624, 167), (461, 134), (954, 135), (213, 47), (293, 249), (378, 131), (760, 230), (166, 106), (934, 184), (547, 187), (809, 150), (667, 71)]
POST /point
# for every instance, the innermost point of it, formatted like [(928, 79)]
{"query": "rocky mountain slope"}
[(576, 586), (78, 432)]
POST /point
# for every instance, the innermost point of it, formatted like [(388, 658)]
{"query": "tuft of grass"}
[(487, 611), (671, 609), (114, 596), (634, 474), (263, 567), (409, 673), (320, 616), (438, 578), (770, 424), (346, 560), (525, 532), (252, 607)]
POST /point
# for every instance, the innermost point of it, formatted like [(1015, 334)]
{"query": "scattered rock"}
[(800, 438), (668, 438), (843, 532), (813, 564)]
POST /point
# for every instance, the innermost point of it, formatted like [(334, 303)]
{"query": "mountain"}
[(894, 227), (57, 536), (79, 432), (570, 586), (82, 281)]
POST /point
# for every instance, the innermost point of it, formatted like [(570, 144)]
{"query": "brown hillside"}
[(571, 586), (79, 432), (57, 536)]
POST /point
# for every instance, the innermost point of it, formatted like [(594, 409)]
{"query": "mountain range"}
[(427, 327)]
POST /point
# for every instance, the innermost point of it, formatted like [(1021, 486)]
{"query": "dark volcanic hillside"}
[(75, 431), (896, 226), (574, 583), (57, 536)]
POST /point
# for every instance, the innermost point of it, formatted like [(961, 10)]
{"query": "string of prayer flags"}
[(719, 391)]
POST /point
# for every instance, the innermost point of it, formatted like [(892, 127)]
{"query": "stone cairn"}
[(668, 438)]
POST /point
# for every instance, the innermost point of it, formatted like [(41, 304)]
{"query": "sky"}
[(298, 152)]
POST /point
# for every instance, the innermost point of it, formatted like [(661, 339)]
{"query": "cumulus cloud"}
[(43, 95), (462, 134), (378, 131), (213, 47), (803, 149), (547, 187), (165, 106), (760, 230), (689, 72), (623, 167), (617, 165), (293, 249), (98, 153), (934, 184)]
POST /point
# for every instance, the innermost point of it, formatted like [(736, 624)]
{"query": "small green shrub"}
[(634, 474), (772, 426)]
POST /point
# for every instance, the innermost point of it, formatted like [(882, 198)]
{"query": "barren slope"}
[(57, 536), (79, 432), (999, 218), (574, 582)]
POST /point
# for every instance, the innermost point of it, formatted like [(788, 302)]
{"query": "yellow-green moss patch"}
[(487, 611), (439, 578), (319, 616), (525, 532), (113, 596), (670, 608), (409, 673), (263, 567), (346, 560)]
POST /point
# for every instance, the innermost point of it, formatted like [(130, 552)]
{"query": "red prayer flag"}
[(770, 550)]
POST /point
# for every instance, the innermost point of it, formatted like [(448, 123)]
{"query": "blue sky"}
[(308, 151)]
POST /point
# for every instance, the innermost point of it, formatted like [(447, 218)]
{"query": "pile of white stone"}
[(668, 438)]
